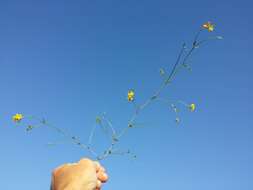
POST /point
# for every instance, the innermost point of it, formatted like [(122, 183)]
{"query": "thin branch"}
[(105, 123)]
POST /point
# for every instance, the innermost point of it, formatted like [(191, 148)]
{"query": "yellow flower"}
[(130, 95), (98, 120), (192, 107), (209, 26), (17, 117)]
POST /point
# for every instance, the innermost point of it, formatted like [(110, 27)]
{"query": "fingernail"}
[(103, 177)]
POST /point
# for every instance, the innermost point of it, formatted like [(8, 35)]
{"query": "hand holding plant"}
[(104, 123)]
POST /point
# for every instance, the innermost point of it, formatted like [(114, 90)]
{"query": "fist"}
[(84, 175)]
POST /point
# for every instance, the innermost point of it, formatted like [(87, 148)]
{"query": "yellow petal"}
[(192, 107)]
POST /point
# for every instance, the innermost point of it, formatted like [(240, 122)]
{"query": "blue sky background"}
[(69, 61)]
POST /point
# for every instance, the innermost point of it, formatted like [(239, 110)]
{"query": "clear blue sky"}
[(71, 60)]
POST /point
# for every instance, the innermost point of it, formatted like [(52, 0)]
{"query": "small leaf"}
[(153, 97), (162, 71), (174, 108), (219, 37), (187, 67), (29, 128), (167, 81), (50, 144), (130, 125), (43, 121), (115, 138)]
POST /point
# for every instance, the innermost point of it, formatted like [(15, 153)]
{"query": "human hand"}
[(84, 175)]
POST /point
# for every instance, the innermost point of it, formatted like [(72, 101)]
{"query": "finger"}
[(59, 169), (102, 176), (85, 161), (99, 184), (87, 164), (102, 169), (97, 166)]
